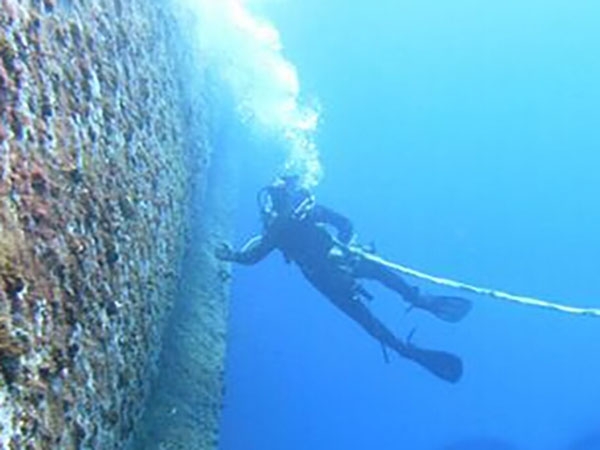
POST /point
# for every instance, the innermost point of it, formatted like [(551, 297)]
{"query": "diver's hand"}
[(225, 252)]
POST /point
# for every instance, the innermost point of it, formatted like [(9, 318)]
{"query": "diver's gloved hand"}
[(225, 252)]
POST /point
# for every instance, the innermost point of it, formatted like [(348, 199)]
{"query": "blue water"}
[(462, 137)]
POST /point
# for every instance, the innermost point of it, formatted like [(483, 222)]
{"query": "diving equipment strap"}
[(529, 301), (304, 208), (386, 356)]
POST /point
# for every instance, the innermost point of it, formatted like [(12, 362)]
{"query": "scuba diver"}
[(295, 224)]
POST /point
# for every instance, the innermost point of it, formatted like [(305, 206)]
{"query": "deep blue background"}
[(463, 138)]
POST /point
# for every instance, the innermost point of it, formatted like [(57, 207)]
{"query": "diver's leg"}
[(441, 364), (354, 308), (448, 308), (370, 268)]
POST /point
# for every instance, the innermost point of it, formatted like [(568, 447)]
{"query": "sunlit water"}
[(462, 138)]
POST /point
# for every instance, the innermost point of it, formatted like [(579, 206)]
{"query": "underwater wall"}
[(187, 397), (96, 168)]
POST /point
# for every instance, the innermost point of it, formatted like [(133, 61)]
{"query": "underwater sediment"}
[(95, 173)]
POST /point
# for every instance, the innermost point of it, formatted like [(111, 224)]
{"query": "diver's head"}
[(285, 191), (283, 197)]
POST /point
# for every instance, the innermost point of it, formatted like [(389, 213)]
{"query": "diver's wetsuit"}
[(331, 265), (299, 228)]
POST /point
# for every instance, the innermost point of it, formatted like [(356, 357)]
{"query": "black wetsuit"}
[(334, 266), (331, 264)]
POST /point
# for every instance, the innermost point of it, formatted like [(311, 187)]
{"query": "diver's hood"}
[(282, 199)]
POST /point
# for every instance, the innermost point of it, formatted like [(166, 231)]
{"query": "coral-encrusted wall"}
[(187, 398), (93, 177)]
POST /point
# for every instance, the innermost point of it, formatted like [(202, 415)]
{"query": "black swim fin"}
[(444, 365), (450, 309)]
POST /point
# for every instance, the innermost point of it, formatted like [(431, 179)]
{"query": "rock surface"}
[(94, 181)]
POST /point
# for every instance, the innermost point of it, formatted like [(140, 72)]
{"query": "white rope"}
[(530, 301)]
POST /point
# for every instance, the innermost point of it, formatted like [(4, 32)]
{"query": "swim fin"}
[(444, 365), (450, 309)]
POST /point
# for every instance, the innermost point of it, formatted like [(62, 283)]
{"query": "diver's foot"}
[(442, 364), (450, 309)]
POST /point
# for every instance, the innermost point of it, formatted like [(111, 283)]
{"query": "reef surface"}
[(95, 173)]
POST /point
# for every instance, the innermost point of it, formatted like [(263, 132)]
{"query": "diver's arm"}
[(252, 252), (343, 225)]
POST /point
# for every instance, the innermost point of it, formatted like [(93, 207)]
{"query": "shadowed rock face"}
[(482, 443)]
